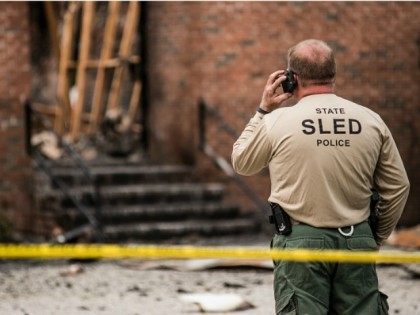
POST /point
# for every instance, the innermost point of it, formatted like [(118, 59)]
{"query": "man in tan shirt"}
[(325, 154)]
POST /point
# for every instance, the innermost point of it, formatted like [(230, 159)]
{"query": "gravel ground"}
[(121, 287)]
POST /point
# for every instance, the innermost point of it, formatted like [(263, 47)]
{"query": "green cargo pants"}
[(316, 288)]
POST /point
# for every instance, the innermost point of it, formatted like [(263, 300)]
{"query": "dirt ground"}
[(122, 287)]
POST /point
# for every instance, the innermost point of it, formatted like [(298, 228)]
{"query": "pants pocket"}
[(383, 304), (287, 305), (361, 243)]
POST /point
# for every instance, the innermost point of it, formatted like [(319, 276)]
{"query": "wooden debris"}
[(72, 270), (45, 109), (134, 102), (88, 14), (106, 53), (109, 63), (209, 302), (71, 114), (65, 60), (129, 32), (47, 143), (128, 118), (201, 264)]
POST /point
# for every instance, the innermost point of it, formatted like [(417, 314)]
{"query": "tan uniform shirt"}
[(324, 155)]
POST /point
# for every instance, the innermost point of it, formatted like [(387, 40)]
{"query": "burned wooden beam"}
[(104, 62), (129, 32), (64, 64), (88, 16)]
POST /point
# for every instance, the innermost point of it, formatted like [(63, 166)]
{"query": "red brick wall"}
[(15, 172), (223, 52)]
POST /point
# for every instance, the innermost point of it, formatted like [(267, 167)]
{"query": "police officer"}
[(324, 154)]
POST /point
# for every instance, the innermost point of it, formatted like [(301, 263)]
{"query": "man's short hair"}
[(313, 61)]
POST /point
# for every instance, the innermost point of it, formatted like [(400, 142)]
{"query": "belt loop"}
[(350, 233)]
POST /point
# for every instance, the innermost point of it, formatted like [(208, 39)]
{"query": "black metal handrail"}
[(94, 221), (205, 110)]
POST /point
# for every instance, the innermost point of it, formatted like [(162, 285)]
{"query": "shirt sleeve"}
[(252, 151), (391, 182)]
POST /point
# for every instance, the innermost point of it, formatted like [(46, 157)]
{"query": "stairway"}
[(147, 203)]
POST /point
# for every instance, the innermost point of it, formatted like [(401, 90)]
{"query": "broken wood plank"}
[(50, 110), (106, 53), (52, 28), (129, 117), (134, 101), (110, 63), (65, 59), (87, 21), (128, 36), (114, 62)]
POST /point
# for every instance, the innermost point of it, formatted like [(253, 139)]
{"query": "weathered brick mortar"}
[(15, 171)]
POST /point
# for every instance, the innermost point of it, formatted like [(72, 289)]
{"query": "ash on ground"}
[(124, 287)]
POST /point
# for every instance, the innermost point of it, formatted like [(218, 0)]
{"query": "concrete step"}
[(162, 212), (137, 194), (166, 230), (125, 174), (145, 203)]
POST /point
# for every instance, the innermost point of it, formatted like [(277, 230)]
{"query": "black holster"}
[(374, 213), (280, 219)]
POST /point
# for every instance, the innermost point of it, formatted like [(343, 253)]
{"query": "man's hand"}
[(272, 100)]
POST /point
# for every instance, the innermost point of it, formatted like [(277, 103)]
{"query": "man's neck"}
[(313, 89)]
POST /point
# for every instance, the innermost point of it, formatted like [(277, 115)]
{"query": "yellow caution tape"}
[(87, 251)]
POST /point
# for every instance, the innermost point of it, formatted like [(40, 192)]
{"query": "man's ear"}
[(298, 83)]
